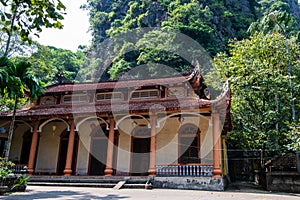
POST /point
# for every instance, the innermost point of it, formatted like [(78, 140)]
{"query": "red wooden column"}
[(110, 147), (217, 145), (153, 121), (68, 167), (33, 147)]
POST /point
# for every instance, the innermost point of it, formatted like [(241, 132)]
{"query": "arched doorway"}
[(48, 150), (140, 148), (63, 151), (98, 149), (189, 144)]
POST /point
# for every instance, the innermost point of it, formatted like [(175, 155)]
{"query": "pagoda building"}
[(166, 128)]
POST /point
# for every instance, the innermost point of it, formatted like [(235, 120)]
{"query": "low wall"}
[(192, 183), (283, 181)]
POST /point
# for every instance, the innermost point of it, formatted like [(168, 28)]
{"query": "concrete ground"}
[(88, 193)]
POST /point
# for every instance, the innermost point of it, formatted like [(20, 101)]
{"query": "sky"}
[(74, 32)]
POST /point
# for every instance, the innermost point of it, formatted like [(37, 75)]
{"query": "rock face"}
[(155, 17), (156, 12), (212, 23)]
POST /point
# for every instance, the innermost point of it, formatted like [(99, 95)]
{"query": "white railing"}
[(184, 170)]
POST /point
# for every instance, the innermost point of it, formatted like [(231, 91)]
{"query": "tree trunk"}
[(11, 129), (10, 33)]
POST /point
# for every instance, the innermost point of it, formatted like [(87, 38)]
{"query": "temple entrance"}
[(140, 158), (189, 144), (26, 145), (3, 141), (98, 150)]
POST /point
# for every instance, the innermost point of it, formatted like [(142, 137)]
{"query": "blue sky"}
[(75, 31)]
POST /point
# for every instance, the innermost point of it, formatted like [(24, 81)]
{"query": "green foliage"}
[(294, 136), (16, 47), (7, 103), (29, 17), (210, 23), (193, 20), (21, 181), (261, 102), (47, 62), (20, 81), (287, 24), (5, 168)]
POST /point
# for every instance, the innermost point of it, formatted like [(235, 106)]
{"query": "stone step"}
[(73, 180), (104, 182), (100, 185), (119, 185), (134, 186)]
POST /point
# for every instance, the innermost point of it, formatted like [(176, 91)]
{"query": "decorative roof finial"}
[(197, 82)]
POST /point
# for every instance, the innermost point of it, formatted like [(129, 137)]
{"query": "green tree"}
[(29, 17), (17, 82), (194, 20), (47, 62), (16, 47), (257, 69), (294, 136), (210, 23), (266, 25), (55, 60)]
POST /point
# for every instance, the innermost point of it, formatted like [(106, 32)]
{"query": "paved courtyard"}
[(85, 193)]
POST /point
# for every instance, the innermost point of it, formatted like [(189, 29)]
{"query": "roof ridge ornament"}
[(197, 82)]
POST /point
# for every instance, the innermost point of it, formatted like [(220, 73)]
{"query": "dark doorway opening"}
[(98, 150), (140, 156), (189, 144), (26, 145)]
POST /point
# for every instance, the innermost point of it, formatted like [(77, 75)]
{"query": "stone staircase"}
[(116, 182)]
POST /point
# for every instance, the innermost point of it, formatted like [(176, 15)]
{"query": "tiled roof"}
[(122, 107), (112, 85)]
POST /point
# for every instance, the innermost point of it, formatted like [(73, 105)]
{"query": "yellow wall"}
[(125, 129), (123, 154), (17, 141), (84, 147), (167, 142), (207, 143), (47, 154)]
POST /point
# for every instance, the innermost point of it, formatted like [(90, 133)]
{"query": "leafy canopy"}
[(261, 101), (29, 17)]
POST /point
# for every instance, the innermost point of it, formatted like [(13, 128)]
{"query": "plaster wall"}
[(124, 149), (167, 140), (167, 143), (206, 149), (17, 141), (47, 154), (84, 147)]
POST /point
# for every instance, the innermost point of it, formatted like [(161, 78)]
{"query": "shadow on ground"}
[(60, 195), (250, 187)]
